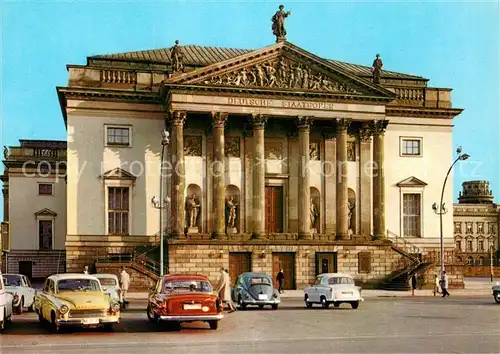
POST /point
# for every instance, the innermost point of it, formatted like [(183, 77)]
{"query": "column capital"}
[(177, 117), (365, 132), (342, 124), (219, 119), (377, 127), (304, 123), (259, 121)]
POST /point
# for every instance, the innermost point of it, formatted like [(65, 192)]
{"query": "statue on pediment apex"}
[(176, 57), (278, 26), (377, 69)]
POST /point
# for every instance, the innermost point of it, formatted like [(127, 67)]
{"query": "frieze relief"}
[(281, 73), (192, 146), (351, 151), (232, 147), (314, 151)]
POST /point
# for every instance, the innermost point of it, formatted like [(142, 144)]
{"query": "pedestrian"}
[(437, 285), (444, 285), (413, 284), (224, 290), (124, 285), (86, 270), (280, 278)]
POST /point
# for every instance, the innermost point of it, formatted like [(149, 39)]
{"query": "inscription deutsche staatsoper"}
[(262, 102)]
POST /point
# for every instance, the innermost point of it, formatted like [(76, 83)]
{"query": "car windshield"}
[(12, 280), (108, 281), (258, 281), (340, 280), (187, 285), (65, 285)]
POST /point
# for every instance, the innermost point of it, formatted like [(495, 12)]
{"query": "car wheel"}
[(308, 303), (325, 304), (40, 317), (53, 323), (2, 324), (496, 295), (274, 306), (173, 326), (19, 308), (32, 307), (213, 324), (241, 304), (355, 304), (336, 304), (150, 313)]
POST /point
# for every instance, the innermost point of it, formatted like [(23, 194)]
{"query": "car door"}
[(29, 292), (314, 296), (235, 290)]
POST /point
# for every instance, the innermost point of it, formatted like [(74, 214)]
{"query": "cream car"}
[(20, 287), (111, 286), (333, 288), (76, 300), (6, 300)]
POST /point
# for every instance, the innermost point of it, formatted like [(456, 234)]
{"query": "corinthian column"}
[(304, 124), (218, 174), (259, 169), (177, 119), (365, 179), (378, 128), (342, 202)]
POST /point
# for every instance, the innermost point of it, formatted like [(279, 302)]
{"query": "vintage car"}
[(75, 300), (6, 301), (20, 285), (333, 288), (496, 292), (255, 289), (111, 286), (184, 298)]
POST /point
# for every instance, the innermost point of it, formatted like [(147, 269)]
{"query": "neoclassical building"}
[(476, 218), (277, 158)]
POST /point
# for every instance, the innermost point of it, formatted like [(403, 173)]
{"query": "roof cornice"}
[(400, 111)]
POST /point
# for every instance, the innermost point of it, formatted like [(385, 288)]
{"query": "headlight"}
[(115, 307), (63, 309)]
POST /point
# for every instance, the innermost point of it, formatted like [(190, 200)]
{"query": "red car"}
[(184, 298)]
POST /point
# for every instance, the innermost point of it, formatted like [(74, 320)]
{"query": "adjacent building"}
[(34, 195), (277, 158), (476, 223)]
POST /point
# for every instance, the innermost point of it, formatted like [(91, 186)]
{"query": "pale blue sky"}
[(454, 44)]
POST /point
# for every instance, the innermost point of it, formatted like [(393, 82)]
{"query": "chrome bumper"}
[(260, 302), (80, 321), (192, 318)]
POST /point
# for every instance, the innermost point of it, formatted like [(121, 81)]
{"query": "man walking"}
[(224, 290), (436, 285), (413, 284), (280, 278), (86, 270), (124, 284), (444, 285)]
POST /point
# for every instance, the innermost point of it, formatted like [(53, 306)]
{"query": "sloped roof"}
[(204, 55)]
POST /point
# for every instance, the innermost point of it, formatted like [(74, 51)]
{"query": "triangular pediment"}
[(282, 66), (45, 212), (411, 182), (118, 173)]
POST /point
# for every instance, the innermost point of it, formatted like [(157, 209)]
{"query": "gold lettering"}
[(262, 102)]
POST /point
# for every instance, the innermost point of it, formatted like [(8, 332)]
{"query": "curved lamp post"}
[(160, 204), (440, 210)]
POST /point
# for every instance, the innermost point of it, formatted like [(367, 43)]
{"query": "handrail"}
[(408, 247)]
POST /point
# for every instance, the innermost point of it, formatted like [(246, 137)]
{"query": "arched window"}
[(470, 261), (459, 260), (480, 261)]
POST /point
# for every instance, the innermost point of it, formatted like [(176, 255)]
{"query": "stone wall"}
[(44, 263), (480, 271)]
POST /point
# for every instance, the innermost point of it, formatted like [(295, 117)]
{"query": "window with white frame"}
[(458, 245), (480, 261), (118, 136), (118, 210), (480, 245), (470, 261), (411, 146), (458, 227), (480, 227), (468, 228), (412, 215), (491, 228), (469, 245)]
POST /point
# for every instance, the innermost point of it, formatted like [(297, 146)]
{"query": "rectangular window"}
[(468, 229), (411, 147), (118, 136), (458, 245), (118, 210), (364, 262), (411, 215), (480, 245), (480, 227), (458, 228), (45, 234), (45, 189), (469, 245)]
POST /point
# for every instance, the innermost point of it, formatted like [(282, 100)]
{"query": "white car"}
[(6, 300), (20, 287), (111, 286), (333, 288)]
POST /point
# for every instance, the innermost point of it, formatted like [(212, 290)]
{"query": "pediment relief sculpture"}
[(282, 73)]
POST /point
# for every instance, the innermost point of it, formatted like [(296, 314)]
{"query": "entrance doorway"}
[(274, 209), (285, 261), (326, 262), (239, 262), (26, 268)]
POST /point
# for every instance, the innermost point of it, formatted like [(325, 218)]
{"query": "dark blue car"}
[(255, 289)]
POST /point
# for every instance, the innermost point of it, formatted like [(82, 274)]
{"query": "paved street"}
[(409, 325)]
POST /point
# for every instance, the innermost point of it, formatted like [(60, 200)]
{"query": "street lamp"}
[(491, 264), (440, 210), (159, 204)]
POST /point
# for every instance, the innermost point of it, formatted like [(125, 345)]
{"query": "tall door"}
[(26, 268), (274, 209), (239, 262), (326, 262), (45, 234), (285, 261)]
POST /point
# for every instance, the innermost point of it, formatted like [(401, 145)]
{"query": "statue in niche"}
[(377, 69), (231, 207), (313, 151), (176, 57), (192, 210), (313, 214), (350, 206), (278, 26)]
